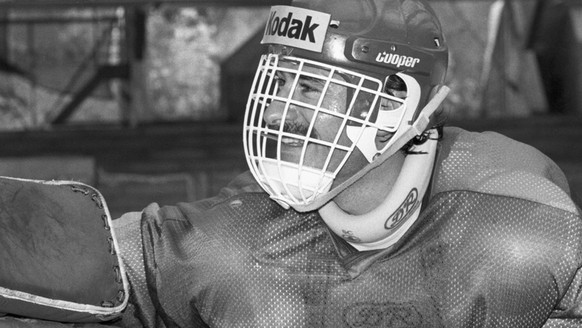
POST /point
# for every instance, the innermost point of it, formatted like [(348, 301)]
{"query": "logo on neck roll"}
[(296, 27), (408, 206)]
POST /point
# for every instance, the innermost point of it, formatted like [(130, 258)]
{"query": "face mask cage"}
[(297, 120)]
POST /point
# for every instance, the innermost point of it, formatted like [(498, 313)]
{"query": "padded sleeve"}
[(58, 253)]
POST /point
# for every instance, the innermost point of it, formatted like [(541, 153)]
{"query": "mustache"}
[(294, 128)]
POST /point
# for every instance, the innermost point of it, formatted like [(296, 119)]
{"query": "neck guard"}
[(387, 223)]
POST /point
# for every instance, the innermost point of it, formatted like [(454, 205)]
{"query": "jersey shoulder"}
[(491, 163)]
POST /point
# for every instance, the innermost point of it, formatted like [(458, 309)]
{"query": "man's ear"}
[(382, 138)]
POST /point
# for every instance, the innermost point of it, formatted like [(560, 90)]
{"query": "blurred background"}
[(144, 99)]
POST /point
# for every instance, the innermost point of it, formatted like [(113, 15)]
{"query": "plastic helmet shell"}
[(383, 37)]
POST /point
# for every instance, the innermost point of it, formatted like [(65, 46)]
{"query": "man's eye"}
[(279, 80), (309, 87), (278, 84)]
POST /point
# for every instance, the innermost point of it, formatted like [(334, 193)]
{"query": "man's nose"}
[(275, 113)]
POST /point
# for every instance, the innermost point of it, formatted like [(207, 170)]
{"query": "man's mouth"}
[(287, 141), (290, 129)]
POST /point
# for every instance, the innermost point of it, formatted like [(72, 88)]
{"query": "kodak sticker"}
[(296, 27)]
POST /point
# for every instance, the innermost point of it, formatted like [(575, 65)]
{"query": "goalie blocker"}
[(58, 252)]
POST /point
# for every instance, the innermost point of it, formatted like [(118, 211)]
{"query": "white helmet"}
[(323, 90)]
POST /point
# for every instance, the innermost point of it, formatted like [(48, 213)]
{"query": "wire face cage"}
[(303, 121)]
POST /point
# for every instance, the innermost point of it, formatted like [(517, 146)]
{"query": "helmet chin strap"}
[(387, 223)]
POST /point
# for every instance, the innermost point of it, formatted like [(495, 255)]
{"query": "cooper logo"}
[(405, 209), (291, 28), (397, 60), (296, 27), (369, 315)]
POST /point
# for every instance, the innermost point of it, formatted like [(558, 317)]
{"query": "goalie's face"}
[(302, 124), (308, 133)]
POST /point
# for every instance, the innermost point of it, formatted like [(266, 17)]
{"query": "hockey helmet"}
[(325, 88)]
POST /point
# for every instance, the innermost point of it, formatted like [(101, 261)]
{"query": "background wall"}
[(164, 123), (173, 163)]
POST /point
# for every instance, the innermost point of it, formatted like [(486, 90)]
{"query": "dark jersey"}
[(498, 244)]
